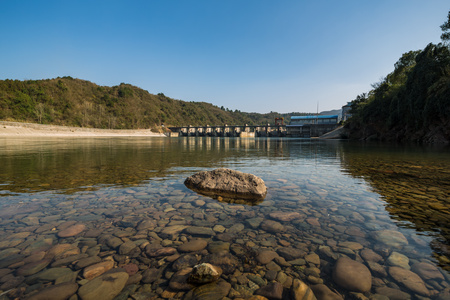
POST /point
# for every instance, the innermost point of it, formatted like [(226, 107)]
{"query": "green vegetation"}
[(410, 104), (74, 102)]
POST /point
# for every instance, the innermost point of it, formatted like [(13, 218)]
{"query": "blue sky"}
[(250, 55)]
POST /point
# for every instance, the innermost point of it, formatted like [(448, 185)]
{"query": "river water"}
[(73, 208)]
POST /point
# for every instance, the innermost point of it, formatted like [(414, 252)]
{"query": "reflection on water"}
[(71, 208)]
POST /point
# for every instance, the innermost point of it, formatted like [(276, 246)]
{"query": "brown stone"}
[(97, 269), (301, 291), (352, 275), (61, 291), (410, 280), (227, 181), (192, 246), (285, 216), (72, 230)]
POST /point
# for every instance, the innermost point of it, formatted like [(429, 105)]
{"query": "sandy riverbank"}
[(17, 129)]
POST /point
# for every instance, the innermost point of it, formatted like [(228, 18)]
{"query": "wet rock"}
[(236, 228), (377, 269), (273, 291), (156, 252), (218, 246), (391, 238), (254, 222), (229, 182), (8, 252), (72, 230), (204, 273), (227, 262), (11, 282), (97, 269), (151, 275), (33, 268), (399, 260), (410, 280), (392, 294), (266, 256), (200, 231), (313, 258), (61, 291), (352, 275), (60, 251), (322, 292), (184, 262), (114, 242), (313, 221), (172, 230), (193, 246), (285, 216), (210, 291), (59, 275), (131, 269), (146, 225), (12, 259), (127, 247), (427, 271), (82, 263), (68, 260), (301, 291), (272, 226), (290, 253), (105, 287), (219, 228), (179, 280), (370, 255), (257, 279)]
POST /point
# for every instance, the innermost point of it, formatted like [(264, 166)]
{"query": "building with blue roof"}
[(319, 119)]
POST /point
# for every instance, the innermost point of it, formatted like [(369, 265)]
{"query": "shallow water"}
[(381, 205)]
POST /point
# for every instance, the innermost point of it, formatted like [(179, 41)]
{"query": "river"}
[(73, 208)]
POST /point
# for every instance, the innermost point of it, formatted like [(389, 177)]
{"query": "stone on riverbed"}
[(229, 183), (204, 273), (352, 275)]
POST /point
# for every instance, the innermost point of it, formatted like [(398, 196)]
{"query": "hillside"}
[(410, 104), (74, 102)]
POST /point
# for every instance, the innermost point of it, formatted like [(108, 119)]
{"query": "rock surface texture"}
[(228, 182)]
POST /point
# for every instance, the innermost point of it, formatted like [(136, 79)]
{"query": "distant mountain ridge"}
[(74, 102)]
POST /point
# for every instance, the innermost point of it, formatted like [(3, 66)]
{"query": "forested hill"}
[(74, 102), (413, 102), (410, 104)]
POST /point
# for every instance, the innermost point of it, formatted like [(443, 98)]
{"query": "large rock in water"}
[(227, 183), (352, 275)]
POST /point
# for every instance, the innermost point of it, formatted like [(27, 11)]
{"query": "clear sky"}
[(250, 55)]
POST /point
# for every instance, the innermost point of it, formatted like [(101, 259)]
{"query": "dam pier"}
[(243, 131)]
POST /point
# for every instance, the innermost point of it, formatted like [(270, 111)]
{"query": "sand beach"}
[(18, 129)]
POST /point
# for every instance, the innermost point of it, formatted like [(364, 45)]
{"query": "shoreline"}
[(18, 129)]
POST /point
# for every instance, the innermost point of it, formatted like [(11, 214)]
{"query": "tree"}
[(39, 110), (445, 37)]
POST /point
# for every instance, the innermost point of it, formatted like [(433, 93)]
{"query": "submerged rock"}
[(227, 183), (352, 275), (204, 273)]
